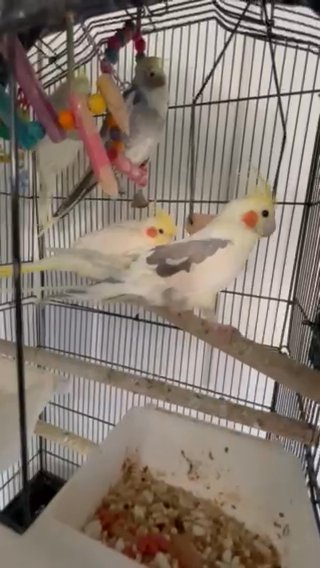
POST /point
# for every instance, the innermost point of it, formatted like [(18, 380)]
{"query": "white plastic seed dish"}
[(254, 480), (39, 388)]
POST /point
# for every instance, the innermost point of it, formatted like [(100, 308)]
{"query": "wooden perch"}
[(158, 390), (63, 438), (199, 221), (265, 359)]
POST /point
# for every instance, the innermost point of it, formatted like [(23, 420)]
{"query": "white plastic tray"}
[(259, 478)]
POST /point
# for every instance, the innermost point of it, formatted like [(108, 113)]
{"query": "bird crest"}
[(151, 61), (262, 191), (164, 218)]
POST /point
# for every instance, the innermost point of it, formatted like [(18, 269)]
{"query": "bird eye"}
[(161, 231), (265, 213), (152, 73)]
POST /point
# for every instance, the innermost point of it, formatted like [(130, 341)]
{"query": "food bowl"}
[(254, 480)]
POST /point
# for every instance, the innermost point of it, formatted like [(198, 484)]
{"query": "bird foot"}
[(227, 332)]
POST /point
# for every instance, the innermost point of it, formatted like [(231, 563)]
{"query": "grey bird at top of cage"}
[(147, 104), (188, 274)]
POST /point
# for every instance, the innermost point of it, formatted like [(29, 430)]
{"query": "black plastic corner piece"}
[(42, 488)]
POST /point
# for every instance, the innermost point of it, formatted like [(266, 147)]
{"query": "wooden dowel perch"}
[(266, 360), (158, 390), (63, 438)]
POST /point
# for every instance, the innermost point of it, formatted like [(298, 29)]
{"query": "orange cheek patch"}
[(152, 232), (250, 219)]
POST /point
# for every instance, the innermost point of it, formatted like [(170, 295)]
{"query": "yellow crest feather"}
[(262, 190)]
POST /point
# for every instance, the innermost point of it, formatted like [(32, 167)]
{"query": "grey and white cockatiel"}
[(189, 273), (147, 103)]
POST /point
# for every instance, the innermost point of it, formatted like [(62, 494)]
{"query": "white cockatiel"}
[(188, 274), (118, 241)]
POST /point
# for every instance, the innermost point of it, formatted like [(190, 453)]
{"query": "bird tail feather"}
[(86, 263), (110, 290), (50, 263)]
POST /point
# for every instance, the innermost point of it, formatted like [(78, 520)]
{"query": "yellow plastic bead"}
[(96, 104)]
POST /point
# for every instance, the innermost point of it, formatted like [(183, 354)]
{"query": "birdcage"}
[(244, 83)]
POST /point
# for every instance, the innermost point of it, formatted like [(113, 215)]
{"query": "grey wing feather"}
[(176, 257), (131, 97)]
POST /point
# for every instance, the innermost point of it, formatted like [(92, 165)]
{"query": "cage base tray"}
[(42, 488)]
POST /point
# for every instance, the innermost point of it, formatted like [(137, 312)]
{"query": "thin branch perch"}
[(158, 390), (265, 359)]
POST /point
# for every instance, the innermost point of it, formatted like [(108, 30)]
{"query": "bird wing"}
[(131, 98), (146, 127), (134, 274), (94, 264), (168, 260)]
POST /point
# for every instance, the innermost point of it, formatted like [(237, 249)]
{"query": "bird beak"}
[(268, 227)]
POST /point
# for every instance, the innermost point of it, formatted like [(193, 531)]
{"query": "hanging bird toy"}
[(29, 133), (96, 105), (142, 106), (117, 116)]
